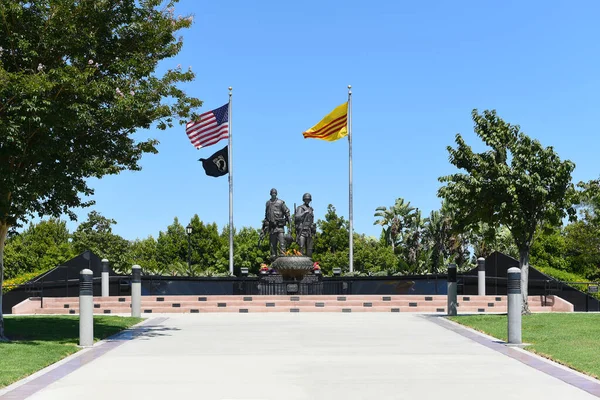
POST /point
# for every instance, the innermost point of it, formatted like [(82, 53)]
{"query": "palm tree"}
[(412, 241), (437, 231), (394, 220), (487, 239)]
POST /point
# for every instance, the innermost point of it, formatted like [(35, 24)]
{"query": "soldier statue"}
[(305, 226), (277, 216)]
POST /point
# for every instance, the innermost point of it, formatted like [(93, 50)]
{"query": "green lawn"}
[(570, 339), (39, 341)]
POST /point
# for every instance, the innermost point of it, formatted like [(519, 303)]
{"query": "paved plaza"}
[(302, 356)]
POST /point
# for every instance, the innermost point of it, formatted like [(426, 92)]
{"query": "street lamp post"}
[(189, 231)]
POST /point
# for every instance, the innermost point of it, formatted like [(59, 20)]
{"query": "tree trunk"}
[(3, 233), (524, 264)]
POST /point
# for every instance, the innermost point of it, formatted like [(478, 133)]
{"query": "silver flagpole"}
[(350, 177), (230, 168)]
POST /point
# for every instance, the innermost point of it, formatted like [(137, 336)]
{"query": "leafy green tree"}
[(247, 252), (171, 246), (372, 256), (95, 234), (207, 246), (583, 237), (550, 250), (517, 183), (143, 252), (77, 79), (331, 244), (582, 248), (40, 247)]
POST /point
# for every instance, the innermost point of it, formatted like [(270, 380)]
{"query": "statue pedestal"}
[(274, 284)]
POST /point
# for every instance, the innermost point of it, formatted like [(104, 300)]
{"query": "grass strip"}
[(571, 339), (39, 341)]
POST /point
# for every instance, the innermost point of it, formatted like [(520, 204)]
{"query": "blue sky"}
[(417, 70)]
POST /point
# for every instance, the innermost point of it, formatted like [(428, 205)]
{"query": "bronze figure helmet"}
[(307, 196)]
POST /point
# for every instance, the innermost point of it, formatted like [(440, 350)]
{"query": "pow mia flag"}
[(217, 164)]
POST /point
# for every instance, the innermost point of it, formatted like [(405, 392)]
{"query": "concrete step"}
[(255, 309), (276, 303), (127, 299), (333, 303)]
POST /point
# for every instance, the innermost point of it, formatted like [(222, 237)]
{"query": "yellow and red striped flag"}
[(333, 127)]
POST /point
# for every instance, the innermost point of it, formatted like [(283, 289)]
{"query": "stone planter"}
[(293, 267)]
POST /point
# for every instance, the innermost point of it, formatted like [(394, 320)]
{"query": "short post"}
[(481, 276), (514, 305), (136, 291), (452, 302), (105, 278), (86, 308)]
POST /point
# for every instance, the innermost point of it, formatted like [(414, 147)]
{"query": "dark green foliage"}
[(208, 246), (332, 242), (38, 248), (549, 250), (247, 252), (171, 246), (145, 252), (95, 234), (582, 248), (77, 80), (370, 255)]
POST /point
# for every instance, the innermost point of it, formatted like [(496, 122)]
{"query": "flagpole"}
[(350, 194), (230, 168)]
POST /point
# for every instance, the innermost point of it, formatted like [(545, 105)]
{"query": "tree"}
[(412, 242), (582, 248), (372, 256), (77, 79), (207, 245), (394, 220), (486, 239), (331, 244), (582, 238), (247, 253), (171, 246), (95, 234), (517, 183), (144, 253), (550, 250), (40, 247), (437, 233)]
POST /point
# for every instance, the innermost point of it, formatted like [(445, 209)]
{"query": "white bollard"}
[(514, 305), (452, 289), (136, 291), (86, 308), (481, 276), (105, 278)]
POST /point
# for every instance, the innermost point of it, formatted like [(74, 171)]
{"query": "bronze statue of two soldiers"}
[(277, 217)]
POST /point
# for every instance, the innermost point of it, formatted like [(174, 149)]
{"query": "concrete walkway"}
[(303, 356)]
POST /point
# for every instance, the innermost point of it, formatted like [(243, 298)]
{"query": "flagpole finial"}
[(349, 87), (230, 88)]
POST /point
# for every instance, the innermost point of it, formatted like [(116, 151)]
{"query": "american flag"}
[(210, 128)]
